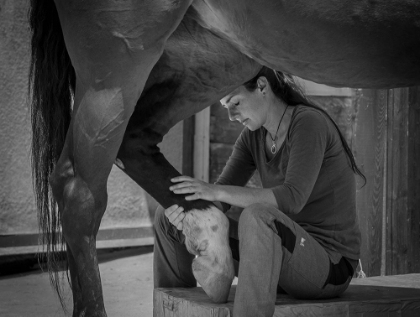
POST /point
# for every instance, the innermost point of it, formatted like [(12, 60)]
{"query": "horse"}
[(110, 78)]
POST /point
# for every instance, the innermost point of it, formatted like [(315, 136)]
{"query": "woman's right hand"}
[(175, 215)]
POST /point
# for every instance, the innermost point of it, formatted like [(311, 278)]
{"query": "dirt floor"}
[(127, 285), (127, 280)]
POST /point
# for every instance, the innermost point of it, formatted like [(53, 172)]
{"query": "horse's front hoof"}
[(214, 276)]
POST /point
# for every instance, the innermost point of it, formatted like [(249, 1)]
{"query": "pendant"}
[(273, 148)]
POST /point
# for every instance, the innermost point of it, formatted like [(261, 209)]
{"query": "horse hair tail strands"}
[(51, 87)]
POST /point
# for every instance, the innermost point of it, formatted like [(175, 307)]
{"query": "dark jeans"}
[(274, 252)]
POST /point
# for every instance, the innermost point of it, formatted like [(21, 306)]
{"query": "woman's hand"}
[(175, 215), (198, 189)]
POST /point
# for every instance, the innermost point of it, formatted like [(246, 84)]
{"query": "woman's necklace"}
[(274, 147)]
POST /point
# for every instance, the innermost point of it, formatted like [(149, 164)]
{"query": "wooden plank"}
[(314, 89), (369, 150), (403, 280), (397, 191), (375, 299), (403, 199), (413, 179)]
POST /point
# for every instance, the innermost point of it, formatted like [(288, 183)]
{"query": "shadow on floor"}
[(29, 263)]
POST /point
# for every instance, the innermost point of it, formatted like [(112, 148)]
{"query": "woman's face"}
[(249, 108)]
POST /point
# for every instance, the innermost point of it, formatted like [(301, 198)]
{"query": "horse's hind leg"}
[(112, 52), (79, 185)]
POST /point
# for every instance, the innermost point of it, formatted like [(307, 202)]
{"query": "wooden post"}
[(369, 149), (202, 144), (403, 203), (413, 179), (387, 148)]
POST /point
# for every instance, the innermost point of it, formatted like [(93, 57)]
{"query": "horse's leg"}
[(196, 70), (205, 226), (112, 53)]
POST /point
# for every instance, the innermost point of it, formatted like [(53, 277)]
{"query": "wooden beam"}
[(202, 145)]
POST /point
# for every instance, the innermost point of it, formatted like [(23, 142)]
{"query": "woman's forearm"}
[(245, 196)]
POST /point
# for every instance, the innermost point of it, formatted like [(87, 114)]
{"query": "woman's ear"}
[(262, 84)]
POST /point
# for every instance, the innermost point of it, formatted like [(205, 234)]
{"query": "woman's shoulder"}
[(308, 115), (308, 111)]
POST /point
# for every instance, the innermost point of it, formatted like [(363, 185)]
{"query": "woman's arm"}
[(245, 196), (240, 166), (232, 195), (308, 138)]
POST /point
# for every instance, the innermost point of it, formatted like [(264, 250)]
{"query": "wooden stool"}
[(397, 295)]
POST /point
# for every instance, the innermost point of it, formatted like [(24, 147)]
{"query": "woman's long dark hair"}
[(285, 88)]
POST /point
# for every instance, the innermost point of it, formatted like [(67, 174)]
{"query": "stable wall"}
[(387, 148)]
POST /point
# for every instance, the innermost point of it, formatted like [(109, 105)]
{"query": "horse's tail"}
[(51, 85)]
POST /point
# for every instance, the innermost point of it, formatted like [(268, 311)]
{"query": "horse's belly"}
[(347, 43)]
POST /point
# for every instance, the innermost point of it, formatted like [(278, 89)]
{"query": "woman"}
[(299, 233)]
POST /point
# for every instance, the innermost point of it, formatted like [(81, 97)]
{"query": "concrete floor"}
[(126, 279)]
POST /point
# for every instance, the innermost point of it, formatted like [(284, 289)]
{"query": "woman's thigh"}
[(306, 266)]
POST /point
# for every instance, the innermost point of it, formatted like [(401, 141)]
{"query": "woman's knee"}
[(161, 221), (251, 216), (257, 215)]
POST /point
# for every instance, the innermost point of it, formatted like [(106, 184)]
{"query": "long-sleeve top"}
[(310, 176)]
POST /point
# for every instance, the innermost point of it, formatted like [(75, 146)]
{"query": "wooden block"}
[(373, 298)]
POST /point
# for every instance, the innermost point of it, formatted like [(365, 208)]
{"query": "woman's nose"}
[(232, 115)]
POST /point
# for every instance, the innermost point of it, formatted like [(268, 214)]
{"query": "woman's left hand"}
[(198, 189)]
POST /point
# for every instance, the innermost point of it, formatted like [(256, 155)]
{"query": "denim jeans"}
[(272, 254)]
